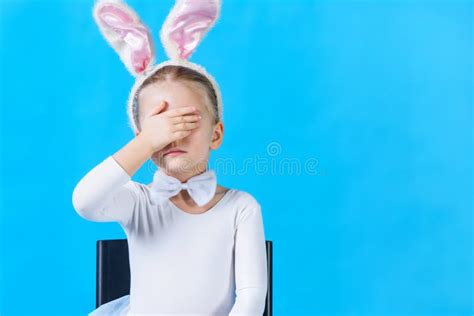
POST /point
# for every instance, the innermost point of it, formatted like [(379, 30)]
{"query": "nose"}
[(173, 144)]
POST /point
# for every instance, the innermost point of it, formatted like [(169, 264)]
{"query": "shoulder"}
[(140, 190), (243, 198), (247, 207), (135, 186)]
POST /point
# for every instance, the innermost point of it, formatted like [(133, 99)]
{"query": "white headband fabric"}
[(183, 30)]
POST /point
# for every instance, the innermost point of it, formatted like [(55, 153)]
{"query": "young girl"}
[(195, 247)]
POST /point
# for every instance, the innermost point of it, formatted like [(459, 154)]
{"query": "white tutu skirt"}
[(117, 307)]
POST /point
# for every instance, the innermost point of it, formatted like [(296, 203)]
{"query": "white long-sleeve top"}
[(213, 263)]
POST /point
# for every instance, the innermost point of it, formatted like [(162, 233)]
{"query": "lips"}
[(174, 152)]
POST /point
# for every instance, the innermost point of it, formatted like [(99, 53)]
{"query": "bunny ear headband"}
[(183, 30)]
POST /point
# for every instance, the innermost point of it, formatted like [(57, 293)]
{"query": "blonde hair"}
[(177, 73)]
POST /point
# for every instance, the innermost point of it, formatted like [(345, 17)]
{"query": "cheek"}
[(197, 137), (200, 138), (203, 130)]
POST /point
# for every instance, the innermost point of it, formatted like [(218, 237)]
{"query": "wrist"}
[(145, 143)]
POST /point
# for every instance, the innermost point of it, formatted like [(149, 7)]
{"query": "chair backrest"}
[(113, 272)]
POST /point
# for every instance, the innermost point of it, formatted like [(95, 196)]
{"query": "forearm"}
[(250, 301), (134, 154)]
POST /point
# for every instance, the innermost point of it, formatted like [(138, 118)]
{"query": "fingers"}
[(186, 118), (185, 126), (158, 109), (182, 134), (181, 111)]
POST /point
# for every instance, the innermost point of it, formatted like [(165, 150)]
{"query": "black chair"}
[(113, 272)]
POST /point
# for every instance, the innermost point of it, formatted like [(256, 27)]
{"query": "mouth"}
[(173, 153)]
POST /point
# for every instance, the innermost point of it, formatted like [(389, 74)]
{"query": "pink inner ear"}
[(193, 19), (132, 32)]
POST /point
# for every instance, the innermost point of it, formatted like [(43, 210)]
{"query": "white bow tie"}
[(201, 187)]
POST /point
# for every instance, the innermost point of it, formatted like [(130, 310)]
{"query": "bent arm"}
[(105, 194), (250, 264)]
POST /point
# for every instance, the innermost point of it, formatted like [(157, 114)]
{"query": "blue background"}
[(378, 95)]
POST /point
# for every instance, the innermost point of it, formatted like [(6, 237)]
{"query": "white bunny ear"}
[(186, 25), (127, 35)]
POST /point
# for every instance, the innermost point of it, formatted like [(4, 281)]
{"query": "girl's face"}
[(197, 145)]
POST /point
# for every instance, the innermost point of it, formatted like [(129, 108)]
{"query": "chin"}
[(183, 165), (175, 164)]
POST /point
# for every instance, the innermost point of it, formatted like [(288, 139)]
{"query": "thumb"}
[(158, 109)]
